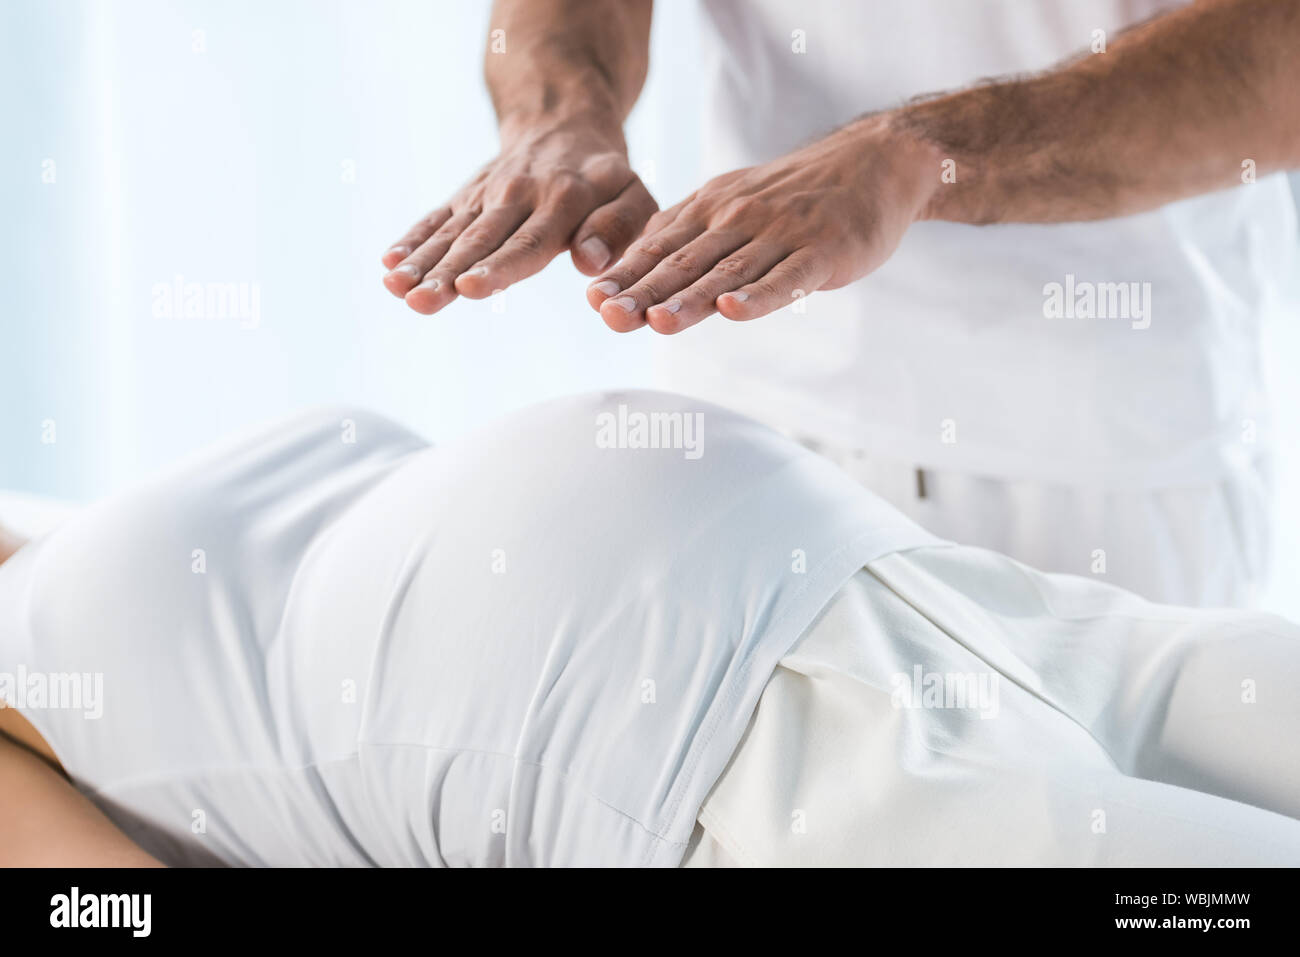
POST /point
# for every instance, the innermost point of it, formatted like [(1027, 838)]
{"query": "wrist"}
[(595, 124), (959, 132), (913, 166), (573, 99)]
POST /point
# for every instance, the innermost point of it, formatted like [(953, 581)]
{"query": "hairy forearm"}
[(1173, 108), (553, 59)]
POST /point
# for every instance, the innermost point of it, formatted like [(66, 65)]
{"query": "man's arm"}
[(564, 58), (1173, 109), (563, 75)]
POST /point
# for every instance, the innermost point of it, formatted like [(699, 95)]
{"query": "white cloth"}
[(1195, 545), (944, 356), (1096, 729), (332, 644)]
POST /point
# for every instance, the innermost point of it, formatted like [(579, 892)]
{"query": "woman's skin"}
[(10, 542), (44, 820)]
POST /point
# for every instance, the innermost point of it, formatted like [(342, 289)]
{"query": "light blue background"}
[(227, 165)]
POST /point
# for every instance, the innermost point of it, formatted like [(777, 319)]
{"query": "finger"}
[(416, 236), (538, 240), (438, 286), (412, 269), (663, 233), (646, 253), (605, 234), (698, 300), (675, 272), (800, 273)]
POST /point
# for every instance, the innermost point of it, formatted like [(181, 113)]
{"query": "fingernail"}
[(408, 270), (626, 303), (607, 286), (595, 250), (402, 250), (433, 285), (672, 305), (477, 271), (740, 296)]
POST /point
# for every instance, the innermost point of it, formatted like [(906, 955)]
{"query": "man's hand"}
[(561, 186), (562, 83), (753, 240), (1177, 106)]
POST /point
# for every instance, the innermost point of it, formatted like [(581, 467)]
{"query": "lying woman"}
[(621, 629)]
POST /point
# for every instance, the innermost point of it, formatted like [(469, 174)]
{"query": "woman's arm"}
[(46, 822)]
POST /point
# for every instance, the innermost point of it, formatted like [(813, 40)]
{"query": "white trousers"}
[(953, 707), (1203, 545)]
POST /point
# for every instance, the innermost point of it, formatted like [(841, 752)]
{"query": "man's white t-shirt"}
[(949, 357)]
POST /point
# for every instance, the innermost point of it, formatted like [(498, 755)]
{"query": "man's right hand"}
[(561, 185)]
